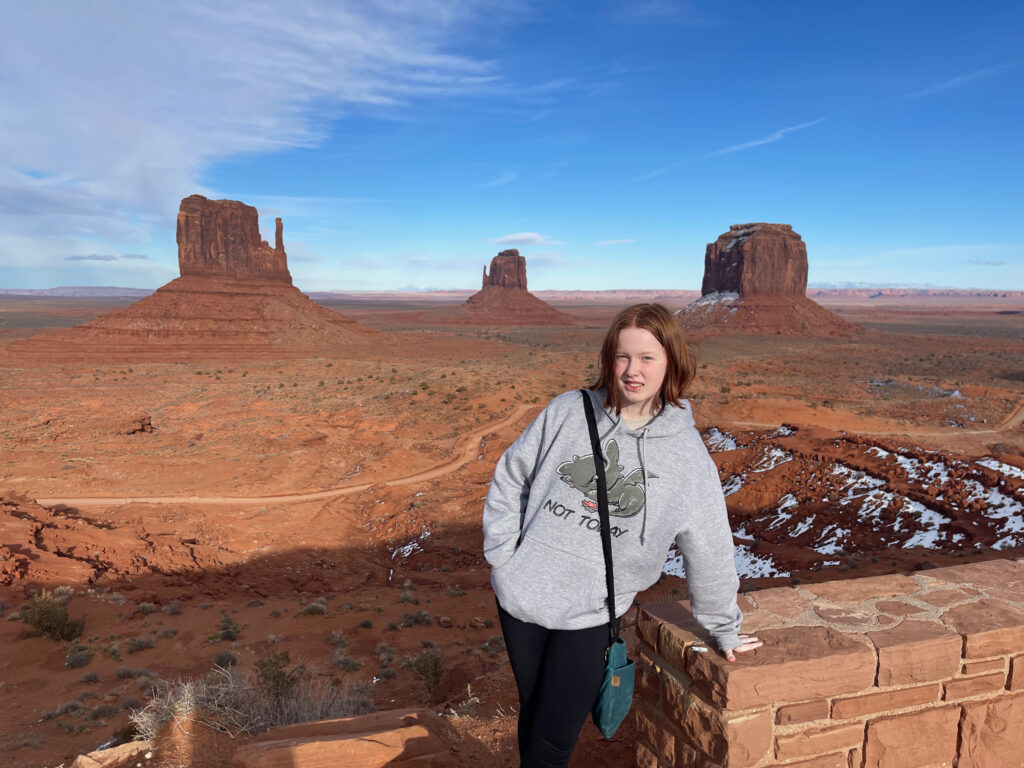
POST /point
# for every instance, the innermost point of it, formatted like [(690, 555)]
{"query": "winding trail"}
[(471, 445), (470, 448)]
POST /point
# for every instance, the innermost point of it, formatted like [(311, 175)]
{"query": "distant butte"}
[(755, 282), (234, 300), (503, 298)]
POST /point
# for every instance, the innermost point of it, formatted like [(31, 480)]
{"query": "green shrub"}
[(48, 616), (427, 665)]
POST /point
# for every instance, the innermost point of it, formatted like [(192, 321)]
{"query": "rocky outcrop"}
[(504, 300), (221, 238), (394, 738), (755, 279), (234, 301), (508, 270), (756, 260)]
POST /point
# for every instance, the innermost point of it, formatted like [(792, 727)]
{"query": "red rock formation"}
[(755, 279), (504, 300), (221, 238), (508, 270), (234, 300), (756, 259)]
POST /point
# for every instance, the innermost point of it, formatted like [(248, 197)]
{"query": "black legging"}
[(558, 673)]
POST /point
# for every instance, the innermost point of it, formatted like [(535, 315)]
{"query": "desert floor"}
[(356, 486)]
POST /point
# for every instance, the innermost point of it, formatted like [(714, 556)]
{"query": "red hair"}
[(663, 326)]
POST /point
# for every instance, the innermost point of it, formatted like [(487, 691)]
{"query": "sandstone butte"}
[(234, 300), (755, 282), (503, 298)]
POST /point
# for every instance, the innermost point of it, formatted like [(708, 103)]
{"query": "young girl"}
[(542, 531)]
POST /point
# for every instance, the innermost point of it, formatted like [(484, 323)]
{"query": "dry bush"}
[(427, 665), (230, 701), (48, 616)]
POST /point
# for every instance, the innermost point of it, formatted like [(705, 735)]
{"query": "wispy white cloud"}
[(615, 242), (771, 138), (966, 79), (525, 238), (507, 177), (988, 262), (105, 257), (105, 145)]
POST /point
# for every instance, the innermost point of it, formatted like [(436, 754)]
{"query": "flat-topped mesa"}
[(221, 238), (758, 259), (508, 270)]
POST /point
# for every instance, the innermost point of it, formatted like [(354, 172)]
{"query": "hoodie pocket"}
[(550, 587)]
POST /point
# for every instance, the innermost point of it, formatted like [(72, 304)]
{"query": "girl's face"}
[(640, 366)]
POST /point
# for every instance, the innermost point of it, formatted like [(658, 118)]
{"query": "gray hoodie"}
[(542, 531)]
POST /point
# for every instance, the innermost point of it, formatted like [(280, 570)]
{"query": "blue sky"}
[(405, 142)]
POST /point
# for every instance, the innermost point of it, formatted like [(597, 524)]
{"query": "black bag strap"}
[(602, 510)]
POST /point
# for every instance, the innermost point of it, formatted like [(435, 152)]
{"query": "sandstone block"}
[(992, 733), (974, 686), (835, 760), (689, 757), (645, 758), (858, 590), (989, 627), (782, 601), (795, 664), (916, 652), (648, 682), (670, 627), (991, 573), (132, 753), (804, 743), (801, 713), (366, 750), (733, 742), (944, 598), (925, 738), (977, 667), (897, 608), (856, 706), (647, 626), (658, 733), (1016, 679)]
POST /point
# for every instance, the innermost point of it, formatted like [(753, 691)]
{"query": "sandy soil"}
[(265, 487)]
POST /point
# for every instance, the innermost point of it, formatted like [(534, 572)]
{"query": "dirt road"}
[(470, 450)]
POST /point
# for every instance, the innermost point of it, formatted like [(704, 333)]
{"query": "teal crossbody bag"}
[(616, 694)]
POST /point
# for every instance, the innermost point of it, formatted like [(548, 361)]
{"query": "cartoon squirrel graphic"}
[(625, 494)]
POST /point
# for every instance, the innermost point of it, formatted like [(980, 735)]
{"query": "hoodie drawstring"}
[(643, 469)]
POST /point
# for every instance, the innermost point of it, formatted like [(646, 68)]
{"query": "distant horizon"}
[(405, 144)]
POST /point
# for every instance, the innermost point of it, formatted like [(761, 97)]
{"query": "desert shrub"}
[(419, 619), (366, 624), (88, 696), (102, 712), (131, 703), (426, 643), (315, 608), (393, 626), (229, 701), (144, 643), (123, 673), (89, 677), (225, 659), (48, 616), (427, 665), (168, 632), (454, 591), (63, 709), (341, 660), (385, 653), (345, 608), (386, 673), (493, 646), (257, 603), (173, 608), (78, 656), (147, 608), (407, 597), (338, 639)]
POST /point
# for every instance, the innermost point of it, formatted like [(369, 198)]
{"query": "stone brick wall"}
[(881, 672)]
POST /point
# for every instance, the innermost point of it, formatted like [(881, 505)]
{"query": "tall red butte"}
[(504, 300), (234, 300), (755, 282)]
